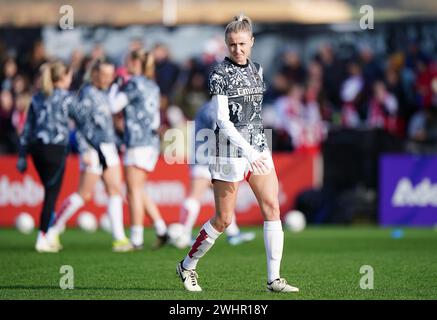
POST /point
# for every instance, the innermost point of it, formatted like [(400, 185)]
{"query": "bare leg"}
[(135, 183)]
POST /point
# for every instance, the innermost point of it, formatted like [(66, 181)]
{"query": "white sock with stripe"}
[(68, 208), (204, 241)]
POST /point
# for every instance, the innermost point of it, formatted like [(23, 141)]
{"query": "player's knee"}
[(271, 209)]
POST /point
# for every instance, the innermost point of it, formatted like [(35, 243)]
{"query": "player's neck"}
[(238, 64)]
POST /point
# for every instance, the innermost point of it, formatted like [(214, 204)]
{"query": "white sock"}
[(137, 235), (232, 230), (70, 205), (189, 213), (115, 213), (204, 241), (274, 243), (160, 227)]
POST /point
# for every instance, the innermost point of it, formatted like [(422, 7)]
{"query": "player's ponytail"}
[(239, 23), (46, 79), (148, 65), (147, 62), (51, 72)]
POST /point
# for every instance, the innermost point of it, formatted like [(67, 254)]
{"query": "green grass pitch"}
[(323, 262)]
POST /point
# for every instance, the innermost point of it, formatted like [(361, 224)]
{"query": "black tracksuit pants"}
[(49, 161)]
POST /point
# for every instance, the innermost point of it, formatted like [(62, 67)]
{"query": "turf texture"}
[(323, 262)]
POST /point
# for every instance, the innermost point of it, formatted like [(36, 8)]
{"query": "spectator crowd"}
[(306, 96)]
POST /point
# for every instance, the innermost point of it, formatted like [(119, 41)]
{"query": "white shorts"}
[(200, 171), (110, 153), (142, 157), (235, 169)]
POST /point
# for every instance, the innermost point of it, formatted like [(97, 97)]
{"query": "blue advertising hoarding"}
[(408, 190)]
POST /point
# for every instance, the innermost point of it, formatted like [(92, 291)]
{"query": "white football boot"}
[(188, 277), (43, 245), (281, 285), (52, 237)]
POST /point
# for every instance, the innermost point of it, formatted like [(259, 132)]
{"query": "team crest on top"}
[(236, 109)]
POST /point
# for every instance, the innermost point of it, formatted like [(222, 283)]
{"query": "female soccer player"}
[(139, 101), (45, 137), (237, 88), (201, 180), (99, 159)]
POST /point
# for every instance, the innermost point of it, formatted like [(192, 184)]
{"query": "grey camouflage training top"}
[(142, 114), (47, 120), (93, 117), (244, 87)]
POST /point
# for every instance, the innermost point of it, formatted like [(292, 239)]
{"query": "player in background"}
[(139, 101), (237, 88), (98, 160), (201, 181), (45, 137)]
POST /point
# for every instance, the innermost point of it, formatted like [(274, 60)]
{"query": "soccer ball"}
[(178, 236), (24, 223), (105, 223), (295, 221), (87, 221)]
